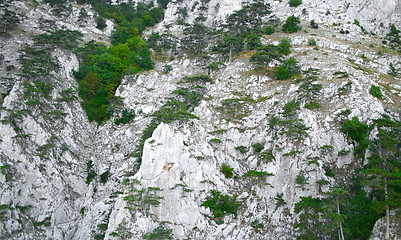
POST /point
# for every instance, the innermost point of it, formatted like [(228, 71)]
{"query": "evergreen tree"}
[(384, 166)]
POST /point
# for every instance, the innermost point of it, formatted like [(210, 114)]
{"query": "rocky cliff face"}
[(47, 150)]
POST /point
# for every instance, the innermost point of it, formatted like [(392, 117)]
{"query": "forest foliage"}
[(102, 68)]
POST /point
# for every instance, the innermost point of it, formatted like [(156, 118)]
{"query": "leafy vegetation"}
[(257, 176), (159, 233), (269, 30), (295, 3), (242, 149), (394, 38), (221, 204), (351, 208), (376, 91), (102, 68), (288, 124), (140, 198), (357, 131), (291, 25), (258, 147), (227, 170), (268, 53), (9, 20), (313, 24), (126, 117), (289, 69), (91, 173)]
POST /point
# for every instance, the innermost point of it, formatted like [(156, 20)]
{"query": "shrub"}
[(101, 23), (354, 129), (291, 25), (301, 178), (104, 176), (289, 109), (242, 149), (295, 3), (258, 147), (226, 170), (256, 175), (127, 116), (267, 156), (376, 91), (253, 41), (91, 173), (221, 204), (313, 105), (289, 69), (280, 201), (357, 131), (269, 30), (200, 78), (215, 140), (311, 42), (313, 24), (167, 68), (159, 233)]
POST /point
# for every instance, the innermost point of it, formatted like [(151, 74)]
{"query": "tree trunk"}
[(340, 224), (387, 210), (230, 54)]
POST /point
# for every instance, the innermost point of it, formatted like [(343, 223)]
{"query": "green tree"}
[(384, 165), (289, 69), (241, 22), (253, 41), (295, 3), (332, 212), (229, 44), (291, 25), (309, 210), (357, 131), (101, 23)]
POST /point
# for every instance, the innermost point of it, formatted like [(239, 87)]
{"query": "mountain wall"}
[(48, 147)]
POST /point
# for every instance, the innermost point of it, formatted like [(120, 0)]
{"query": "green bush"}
[(269, 30), (376, 91), (221, 204), (101, 68), (127, 116), (354, 129), (266, 54), (311, 42), (159, 233), (101, 23), (257, 176), (295, 3), (289, 69), (291, 25), (91, 173), (253, 41), (200, 78), (104, 176), (242, 149), (227, 170), (258, 147), (290, 109), (8, 22), (267, 156), (313, 24), (313, 105), (301, 178), (357, 131)]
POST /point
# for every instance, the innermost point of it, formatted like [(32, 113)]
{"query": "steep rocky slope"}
[(49, 148)]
